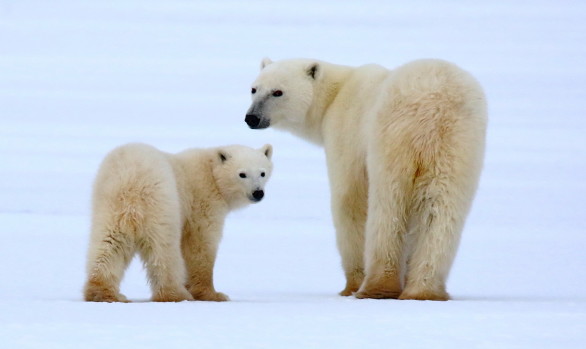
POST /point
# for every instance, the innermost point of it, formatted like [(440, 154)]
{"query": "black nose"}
[(252, 120), (258, 195)]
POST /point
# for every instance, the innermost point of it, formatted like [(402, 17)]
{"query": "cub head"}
[(282, 93), (241, 173)]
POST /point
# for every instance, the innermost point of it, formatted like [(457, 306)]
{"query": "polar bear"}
[(404, 152), (170, 208)]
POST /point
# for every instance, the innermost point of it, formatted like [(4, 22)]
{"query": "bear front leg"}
[(349, 214), (202, 289), (160, 251), (199, 252)]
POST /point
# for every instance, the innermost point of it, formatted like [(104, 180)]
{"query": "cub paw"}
[(99, 293), (179, 295), (210, 296)]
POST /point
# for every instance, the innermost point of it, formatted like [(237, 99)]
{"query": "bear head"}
[(241, 173), (282, 94)]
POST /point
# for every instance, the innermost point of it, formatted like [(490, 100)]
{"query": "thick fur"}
[(404, 151), (170, 209)]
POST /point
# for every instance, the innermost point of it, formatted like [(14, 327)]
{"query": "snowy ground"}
[(80, 77)]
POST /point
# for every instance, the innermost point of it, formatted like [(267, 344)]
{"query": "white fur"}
[(404, 151), (170, 208)]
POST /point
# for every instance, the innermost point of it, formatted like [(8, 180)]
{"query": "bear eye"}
[(242, 175), (262, 174), (253, 91), (277, 93)]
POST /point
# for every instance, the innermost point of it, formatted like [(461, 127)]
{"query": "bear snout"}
[(255, 122), (252, 120), (257, 195)]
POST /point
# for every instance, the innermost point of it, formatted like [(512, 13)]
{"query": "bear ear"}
[(223, 156), (267, 149), (265, 61), (313, 70)]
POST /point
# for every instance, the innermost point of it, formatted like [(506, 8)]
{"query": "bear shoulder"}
[(133, 161), (134, 151)]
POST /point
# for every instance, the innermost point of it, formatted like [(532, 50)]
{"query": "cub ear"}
[(265, 61), (313, 70), (267, 149), (222, 155)]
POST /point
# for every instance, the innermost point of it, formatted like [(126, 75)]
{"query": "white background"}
[(78, 78)]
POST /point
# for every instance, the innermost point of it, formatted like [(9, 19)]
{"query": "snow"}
[(81, 77)]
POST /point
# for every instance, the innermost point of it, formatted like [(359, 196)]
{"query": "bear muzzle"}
[(257, 195), (255, 122)]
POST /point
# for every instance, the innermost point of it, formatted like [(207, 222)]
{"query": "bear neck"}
[(222, 197), (327, 87), (195, 175)]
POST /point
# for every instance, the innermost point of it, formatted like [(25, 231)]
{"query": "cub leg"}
[(199, 246), (110, 253), (161, 253)]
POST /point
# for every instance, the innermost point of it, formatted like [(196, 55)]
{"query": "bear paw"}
[(210, 296), (425, 295), (353, 283), (178, 295), (380, 287), (347, 292), (99, 293), (377, 294)]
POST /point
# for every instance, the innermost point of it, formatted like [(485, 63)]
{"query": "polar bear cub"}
[(170, 209)]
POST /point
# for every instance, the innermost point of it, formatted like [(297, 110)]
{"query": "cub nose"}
[(258, 195), (252, 120)]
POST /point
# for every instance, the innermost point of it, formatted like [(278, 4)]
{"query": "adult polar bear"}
[(404, 151)]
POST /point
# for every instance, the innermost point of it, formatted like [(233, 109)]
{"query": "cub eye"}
[(262, 174), (242, 175), (277, 93), (253, 91)]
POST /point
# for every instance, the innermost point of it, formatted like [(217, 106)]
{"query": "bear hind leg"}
[(106, 266), (165, 268), (436, 224), (385, 231)]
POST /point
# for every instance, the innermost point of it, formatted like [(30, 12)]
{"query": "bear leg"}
[(199, 246), (161, 254), (383, 255), (385, 232), (201, 285), (349, 215), (438, 214), (109, 258)]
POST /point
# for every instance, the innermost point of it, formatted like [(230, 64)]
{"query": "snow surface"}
[(78, 78)]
